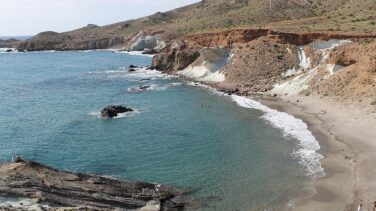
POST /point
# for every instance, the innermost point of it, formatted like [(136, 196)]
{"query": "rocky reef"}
[(113, 111), (53, 189)]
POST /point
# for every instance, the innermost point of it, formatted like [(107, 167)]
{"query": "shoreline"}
[(338, 171), (333, 191), (348, 182), (344, 133)]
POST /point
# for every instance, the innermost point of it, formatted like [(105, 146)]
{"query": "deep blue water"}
[(181, 134)]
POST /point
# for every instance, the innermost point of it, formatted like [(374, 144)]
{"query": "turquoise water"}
[(180, 134)]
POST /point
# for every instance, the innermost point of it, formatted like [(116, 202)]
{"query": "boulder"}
[(113, 110), (133, 66), (150, 51), (9, 50), (144, 87)]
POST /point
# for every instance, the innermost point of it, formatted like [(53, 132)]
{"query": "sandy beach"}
[(347, 136)]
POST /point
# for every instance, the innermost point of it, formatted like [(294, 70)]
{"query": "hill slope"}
[(218, 15)]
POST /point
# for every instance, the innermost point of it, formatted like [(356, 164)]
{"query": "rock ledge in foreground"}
[(62, 189)]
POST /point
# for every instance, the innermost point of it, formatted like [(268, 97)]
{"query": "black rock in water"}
[(113, 111), (9, 50), (144, 87), (131, 70), (132, 66)]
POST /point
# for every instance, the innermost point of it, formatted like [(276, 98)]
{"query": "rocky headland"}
[(10, 43)]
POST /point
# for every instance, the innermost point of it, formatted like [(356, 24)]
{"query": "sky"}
[(29, 17)]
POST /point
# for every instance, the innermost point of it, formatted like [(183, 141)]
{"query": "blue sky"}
[(28, 17)]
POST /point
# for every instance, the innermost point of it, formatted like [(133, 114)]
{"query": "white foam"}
[(4, 50), (139, 74), (211, 89), (157, 87), (293, 127), (135, 53), (119, 116)]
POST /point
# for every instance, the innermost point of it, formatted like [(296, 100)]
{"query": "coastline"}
[(340, 131), (345, 136), (341, 186)]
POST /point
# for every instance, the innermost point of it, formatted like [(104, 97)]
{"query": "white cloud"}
[(28, 17)]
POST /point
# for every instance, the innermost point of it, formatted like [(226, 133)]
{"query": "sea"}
[(15, 37), (230, 151)]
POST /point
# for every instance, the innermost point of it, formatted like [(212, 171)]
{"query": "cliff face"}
[(176, 56), (278, 63), (231, 37)]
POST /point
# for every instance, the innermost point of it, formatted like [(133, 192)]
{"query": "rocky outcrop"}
[(75, 191), (176, 56), (148, 42), (44, 41), (113, 111), (209, 67), (69, 41), (11, 43), (259, 64)]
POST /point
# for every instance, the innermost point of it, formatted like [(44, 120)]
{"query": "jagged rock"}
[(148, 42), (18, 159), (144, 87), (113, 111), (175, 57), (44, 184)]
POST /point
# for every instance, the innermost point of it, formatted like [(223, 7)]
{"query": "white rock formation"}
[(211, 69)]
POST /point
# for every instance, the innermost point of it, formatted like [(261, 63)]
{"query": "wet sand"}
[(347, 136)]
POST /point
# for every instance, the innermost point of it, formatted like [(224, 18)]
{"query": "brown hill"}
[(219, 15)]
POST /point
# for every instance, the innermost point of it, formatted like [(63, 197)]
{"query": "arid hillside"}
[(219, 15)]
